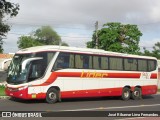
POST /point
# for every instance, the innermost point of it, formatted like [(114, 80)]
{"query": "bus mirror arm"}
[(25, 62)]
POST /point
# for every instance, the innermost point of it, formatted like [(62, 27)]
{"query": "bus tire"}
[(136, 94), (52, 96), (126, 93)]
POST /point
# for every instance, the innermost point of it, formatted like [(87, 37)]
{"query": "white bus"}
[(56, 72)]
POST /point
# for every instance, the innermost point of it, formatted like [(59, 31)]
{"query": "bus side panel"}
[(150, 89), (92, 93)]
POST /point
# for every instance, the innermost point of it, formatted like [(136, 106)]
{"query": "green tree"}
[(10, 9), (146, 52), (42, 36), (46, 35), (154, 53), (156, 50), (27, 41), (117, 37)]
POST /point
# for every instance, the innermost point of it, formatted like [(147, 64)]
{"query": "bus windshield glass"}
[(33, 69)]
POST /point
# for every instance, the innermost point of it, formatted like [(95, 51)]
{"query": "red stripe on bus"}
[(92, 93), (54, 76), (146, 90), (154, 76), (124, 75), (109, 75)]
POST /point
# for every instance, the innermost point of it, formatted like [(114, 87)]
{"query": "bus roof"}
[(77, 50)]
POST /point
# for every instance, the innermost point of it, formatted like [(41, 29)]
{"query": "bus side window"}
[(130, 64), (83, 61), (104, 63), (142, 65), (78, 61), (151, 65), (36, 70), (96, 62), (71, 61), (62, 61), (116, 63)]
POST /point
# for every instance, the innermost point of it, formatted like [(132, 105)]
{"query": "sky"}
[(74, 20)]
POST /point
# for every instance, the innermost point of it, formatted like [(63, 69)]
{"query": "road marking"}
[(108, 108), (134, 118)]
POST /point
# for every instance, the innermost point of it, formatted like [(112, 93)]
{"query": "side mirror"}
[(26, 61)]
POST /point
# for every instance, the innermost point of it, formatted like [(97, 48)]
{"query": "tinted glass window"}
[(151, 65), (33, 69), (104, 63), (116, 63), (36, 70), (142, 65), (62, 61), (130, 64), (100, 62), (83, 61), (96, 62)]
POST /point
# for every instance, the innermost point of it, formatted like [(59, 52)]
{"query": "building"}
[(5, 60)]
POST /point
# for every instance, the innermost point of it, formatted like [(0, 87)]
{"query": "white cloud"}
[(10, 44), (148, 44), (155, 10), (85, 12), (82, 14), (76, 40), (155, 13)]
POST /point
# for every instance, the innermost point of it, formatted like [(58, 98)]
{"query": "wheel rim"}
[(136, 93), (52, 96), (126, 94)]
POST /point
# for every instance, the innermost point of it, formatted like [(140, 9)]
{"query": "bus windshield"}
[(32, 71)]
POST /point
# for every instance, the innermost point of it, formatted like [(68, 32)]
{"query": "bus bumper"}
[(14, 92), (23, 94)]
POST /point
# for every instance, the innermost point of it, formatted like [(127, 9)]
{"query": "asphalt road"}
[(3, 76), (106, 104), (148, 103)]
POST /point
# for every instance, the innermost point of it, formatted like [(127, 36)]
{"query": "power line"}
[(151, 23), (17, 33), (52, 21), (145, 47), (57, 25), (77, 37), (53, 24), (60, 35)]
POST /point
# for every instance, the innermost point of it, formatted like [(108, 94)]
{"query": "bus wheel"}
[(52, 96), (126, 93), (136, 94)]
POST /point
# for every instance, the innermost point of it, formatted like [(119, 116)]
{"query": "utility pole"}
[(96, 29), (60, 42)]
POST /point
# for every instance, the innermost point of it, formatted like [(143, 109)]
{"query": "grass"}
[(2, 90), (158, 90)]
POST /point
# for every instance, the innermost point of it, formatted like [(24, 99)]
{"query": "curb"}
[(4, 97), (3, 83)]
